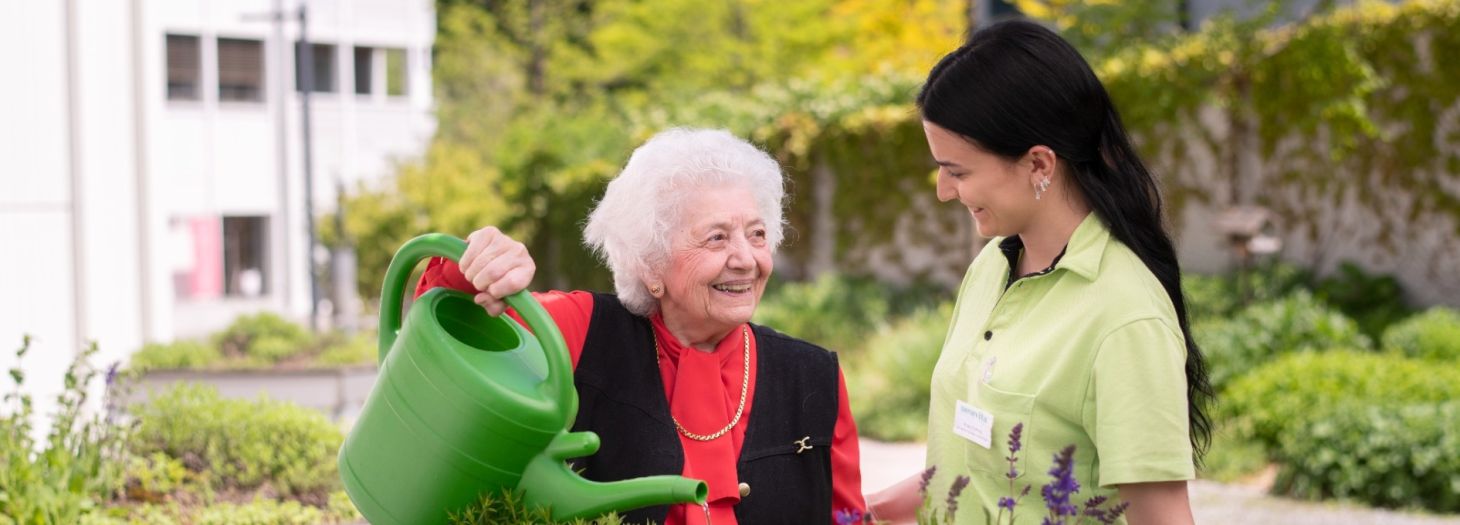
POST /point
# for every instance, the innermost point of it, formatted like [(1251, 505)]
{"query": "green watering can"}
[(467, 403)]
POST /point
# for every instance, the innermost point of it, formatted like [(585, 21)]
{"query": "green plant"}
[(152, 478), (175, 355), (833, 311), (264, 335), (1405, 456), (262, 512), (1260, 332), (1276, 399), (890, 380), (1374, 301), (1219, 296), (358, 349), (1434, 334), (75, 470), (508, 508), (1209, 296), (1232, 457), (242, 444)]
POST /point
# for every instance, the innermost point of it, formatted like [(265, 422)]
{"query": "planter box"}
[(337, 392)]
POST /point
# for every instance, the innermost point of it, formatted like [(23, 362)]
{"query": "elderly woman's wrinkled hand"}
[(497, 265)]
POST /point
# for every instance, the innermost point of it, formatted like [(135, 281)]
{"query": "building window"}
[(395, 72), (184, 65), (240, 70), (364, 60), (245, 256), (324, 68)]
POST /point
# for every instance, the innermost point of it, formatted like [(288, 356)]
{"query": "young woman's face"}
[(999, 193)]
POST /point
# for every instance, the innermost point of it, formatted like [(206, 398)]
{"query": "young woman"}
[(1071, 321)]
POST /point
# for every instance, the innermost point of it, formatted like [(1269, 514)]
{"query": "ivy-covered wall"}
[(1347, 126)]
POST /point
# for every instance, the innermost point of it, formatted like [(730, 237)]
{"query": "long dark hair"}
[(1016, 85)]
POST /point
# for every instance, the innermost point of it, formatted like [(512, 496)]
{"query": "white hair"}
[(630, 228)]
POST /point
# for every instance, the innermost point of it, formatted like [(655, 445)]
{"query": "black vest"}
[(621, 398)]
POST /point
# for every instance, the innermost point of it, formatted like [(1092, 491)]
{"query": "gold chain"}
[(744, 388)]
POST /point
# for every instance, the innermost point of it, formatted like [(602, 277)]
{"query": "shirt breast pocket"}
[(1008, 409)]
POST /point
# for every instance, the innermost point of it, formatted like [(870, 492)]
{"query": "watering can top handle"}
[(442, 245)]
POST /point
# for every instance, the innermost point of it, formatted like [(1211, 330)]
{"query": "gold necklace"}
[(744, 388)]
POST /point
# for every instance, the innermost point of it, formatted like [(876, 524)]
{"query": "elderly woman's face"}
[(719, 260)]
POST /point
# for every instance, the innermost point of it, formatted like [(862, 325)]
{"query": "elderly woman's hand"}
[(497, 266)]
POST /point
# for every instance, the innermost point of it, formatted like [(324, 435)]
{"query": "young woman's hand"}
[(897, 504)]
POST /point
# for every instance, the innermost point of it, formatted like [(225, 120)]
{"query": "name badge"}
[(973, 424)]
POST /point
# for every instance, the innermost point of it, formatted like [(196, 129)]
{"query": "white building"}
[(153, 185)]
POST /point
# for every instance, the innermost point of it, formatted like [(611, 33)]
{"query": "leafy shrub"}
[(264, 335), (1375, 301), (359, 349), (1220, 296), (175, 355), (75, 470), (1407, 456), (272, 349), (1434, 334), (832, 311), (146, 514), (840, 312), (890, 380), (262, 512), (258, 341), (1279, 397), (154, 477), (259, 510), (1209, 296), (507, 508), (1232, 456), (242, 444), (1257, 334)]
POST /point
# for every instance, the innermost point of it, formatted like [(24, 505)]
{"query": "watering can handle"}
[(546, 331)]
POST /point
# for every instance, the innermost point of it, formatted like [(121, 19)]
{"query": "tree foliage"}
[(826, 85)]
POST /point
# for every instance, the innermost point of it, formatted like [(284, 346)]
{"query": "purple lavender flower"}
[(848, 517), (927, 478), (1115, 513), (1014, 436), (1007, 503), (111, 373), (958, 485), (1093, 510), (1057, 493)]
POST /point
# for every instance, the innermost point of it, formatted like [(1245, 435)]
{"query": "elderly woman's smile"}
[(719, 262)]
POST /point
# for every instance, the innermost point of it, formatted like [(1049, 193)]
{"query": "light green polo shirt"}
[(1088, 354)]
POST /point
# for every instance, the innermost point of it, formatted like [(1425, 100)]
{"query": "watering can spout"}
[(548, 482)]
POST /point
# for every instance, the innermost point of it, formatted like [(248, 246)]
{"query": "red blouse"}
[(702, 407)]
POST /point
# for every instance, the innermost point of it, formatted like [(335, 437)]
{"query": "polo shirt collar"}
[(1083, 253)]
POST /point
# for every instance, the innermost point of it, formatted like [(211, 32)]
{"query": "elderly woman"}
[(670, 373)]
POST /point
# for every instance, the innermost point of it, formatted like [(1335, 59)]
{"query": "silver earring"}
[(1043, 187)]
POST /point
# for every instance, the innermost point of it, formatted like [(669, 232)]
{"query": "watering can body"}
[(468, 404)]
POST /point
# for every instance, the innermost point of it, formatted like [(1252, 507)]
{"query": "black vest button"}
[(988, 335)]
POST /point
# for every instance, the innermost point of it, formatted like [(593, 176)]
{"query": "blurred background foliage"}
[(540, 102)]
